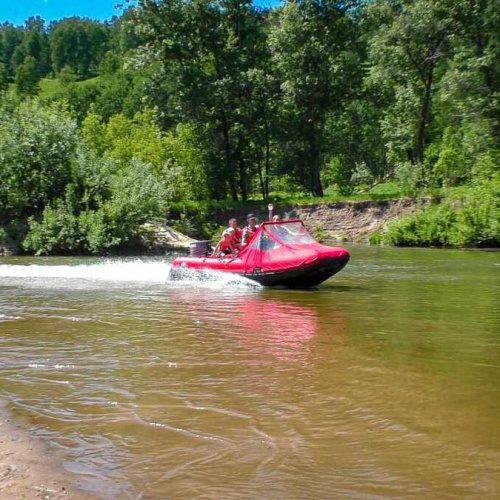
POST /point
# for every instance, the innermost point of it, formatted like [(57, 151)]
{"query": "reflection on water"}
[(264, 325), (280, 328), (383, 383)]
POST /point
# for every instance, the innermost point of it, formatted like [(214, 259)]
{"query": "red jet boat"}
[(280, 254)]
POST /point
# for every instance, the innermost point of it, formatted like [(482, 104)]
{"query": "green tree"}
[(13, 37), (28, 77), (110, 64), (70, 46), (79, 44), (2, 46), (4, 78), (66, 76), (124, 36), (18, 57), (207, 50), (37, 145), (467, 100), (36, 44), (311, 45), (410, 44), (98, 36)]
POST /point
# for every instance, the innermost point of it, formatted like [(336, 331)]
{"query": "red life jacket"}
[(226, 244), (237, 235), (249, 231), (224, 247)]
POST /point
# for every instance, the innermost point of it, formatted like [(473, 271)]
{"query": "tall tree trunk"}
[(227, 151), (268, 161), (259, 171), (243, 179), (316, 178), (242, 167), (314, 164), (225, 133), (424, 116)]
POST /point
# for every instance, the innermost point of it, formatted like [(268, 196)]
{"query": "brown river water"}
[(382, 383)]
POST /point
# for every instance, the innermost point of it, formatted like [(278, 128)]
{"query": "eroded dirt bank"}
[(352, 221), (28, 470)]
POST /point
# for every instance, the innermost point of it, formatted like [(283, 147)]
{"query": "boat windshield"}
[(293, 233), (264, 242)]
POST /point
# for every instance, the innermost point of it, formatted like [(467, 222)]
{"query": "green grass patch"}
[(50, 87)]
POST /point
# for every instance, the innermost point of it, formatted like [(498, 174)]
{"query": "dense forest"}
[(107, 125)]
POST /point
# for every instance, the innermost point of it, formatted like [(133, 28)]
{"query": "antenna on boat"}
[(270, 208)]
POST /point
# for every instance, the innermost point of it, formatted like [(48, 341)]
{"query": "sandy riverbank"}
[(28, 470)]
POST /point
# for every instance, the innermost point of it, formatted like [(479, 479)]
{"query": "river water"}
[(382, 383)]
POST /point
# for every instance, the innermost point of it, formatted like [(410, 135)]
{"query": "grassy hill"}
[(50, 87)]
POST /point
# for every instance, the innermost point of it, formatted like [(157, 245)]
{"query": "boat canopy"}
[(280, 245)]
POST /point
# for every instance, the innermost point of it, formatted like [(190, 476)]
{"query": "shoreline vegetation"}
[(179, 113), (28, 469), (461, 219)]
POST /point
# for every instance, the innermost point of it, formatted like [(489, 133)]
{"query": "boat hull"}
[(303, 277)]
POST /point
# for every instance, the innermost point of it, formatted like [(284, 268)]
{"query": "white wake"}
[(104, 271), (136, 271)]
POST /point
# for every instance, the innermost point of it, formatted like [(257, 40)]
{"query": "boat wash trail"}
[(383, 382)]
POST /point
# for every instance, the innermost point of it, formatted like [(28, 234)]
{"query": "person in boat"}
[(225, 245), (281, 231), (237, 234), (250, 230), (231, 239)]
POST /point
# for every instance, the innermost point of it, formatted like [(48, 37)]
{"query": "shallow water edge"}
[(28, 467)]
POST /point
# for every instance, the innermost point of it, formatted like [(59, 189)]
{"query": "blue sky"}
[(17, 11)]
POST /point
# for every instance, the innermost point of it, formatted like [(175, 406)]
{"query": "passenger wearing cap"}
[(250, 230)]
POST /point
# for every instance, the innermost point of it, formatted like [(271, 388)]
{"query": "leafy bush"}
[(28, 78), (409, 177), (135, 196), (467, 218), (452, 165), (362, 178), (37, 144), (58, 232), (184, 225), (339, 175), (67, 76)]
